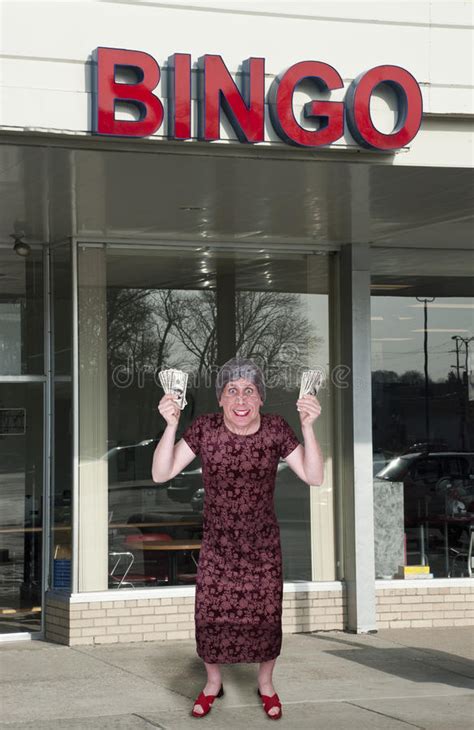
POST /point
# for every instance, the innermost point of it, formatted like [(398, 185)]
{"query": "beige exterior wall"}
[(124, 619), (169, 619), (426, 606)]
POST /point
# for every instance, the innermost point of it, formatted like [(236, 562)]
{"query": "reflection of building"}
[(161, 253)]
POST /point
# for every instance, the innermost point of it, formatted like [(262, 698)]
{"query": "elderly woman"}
[(239, 582)]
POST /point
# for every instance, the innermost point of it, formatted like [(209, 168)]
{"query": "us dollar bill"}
[(311, 381), (175, 383)]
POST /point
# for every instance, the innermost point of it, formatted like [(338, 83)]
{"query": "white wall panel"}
[(44, 109), (385, 11), (454, 12), (45, 77), (451, 56), (79, 27)]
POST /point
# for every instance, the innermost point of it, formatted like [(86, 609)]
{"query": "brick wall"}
[(418, 606), (56, 618), (169, 618)]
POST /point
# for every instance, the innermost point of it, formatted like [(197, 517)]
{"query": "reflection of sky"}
[(398, 335), (317, 313), (10, 338)]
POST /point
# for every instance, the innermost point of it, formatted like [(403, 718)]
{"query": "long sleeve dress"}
[(239, 582)]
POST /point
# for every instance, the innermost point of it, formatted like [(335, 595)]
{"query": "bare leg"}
[(214, 681), (265, 682)]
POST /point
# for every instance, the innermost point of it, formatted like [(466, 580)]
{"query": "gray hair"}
[(239, 367)]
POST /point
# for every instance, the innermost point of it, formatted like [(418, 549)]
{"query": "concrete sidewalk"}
[(405, 678)]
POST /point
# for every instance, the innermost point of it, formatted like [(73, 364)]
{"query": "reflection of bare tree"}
[(194, 321), (409, 377), (178, 328), (265, 321), (133, 332), (164, 324), (412, 377)]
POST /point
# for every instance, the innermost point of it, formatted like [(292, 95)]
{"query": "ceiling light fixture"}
[(20, 247), (388, 287)]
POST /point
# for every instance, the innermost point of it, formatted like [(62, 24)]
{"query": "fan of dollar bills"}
[(175, 382), (311, 381)]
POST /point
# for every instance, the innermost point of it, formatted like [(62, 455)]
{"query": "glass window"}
[(21, 313), (422, 313), (143, 310)]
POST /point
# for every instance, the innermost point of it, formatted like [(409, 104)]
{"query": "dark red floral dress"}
[(239, 583)]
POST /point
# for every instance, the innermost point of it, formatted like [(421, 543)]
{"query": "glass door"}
[(21, 506), (22, 440)]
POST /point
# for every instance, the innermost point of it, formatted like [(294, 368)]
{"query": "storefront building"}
[(291, 182)]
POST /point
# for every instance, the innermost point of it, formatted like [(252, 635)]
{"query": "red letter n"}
[(244, 110)]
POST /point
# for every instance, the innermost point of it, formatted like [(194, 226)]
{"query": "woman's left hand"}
[(309, 409)]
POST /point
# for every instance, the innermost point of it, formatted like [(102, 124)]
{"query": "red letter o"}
[(410, 108)]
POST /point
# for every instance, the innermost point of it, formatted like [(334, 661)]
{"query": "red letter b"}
[(108, 91)]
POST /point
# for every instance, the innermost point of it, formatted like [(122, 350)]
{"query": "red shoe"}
[(206, 702), (269, 702)]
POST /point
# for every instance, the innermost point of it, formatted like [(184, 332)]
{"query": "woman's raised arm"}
[(169, 458)]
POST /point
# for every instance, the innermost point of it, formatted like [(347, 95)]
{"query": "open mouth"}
[(241, 413)]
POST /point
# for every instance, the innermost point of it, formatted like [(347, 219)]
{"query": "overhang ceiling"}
[(215, 196)]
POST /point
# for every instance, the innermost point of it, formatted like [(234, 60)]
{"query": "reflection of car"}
[(378, 460), (197, 500), (183, 486), (424, 446), (130, 462), (116, 449), (430, 480)]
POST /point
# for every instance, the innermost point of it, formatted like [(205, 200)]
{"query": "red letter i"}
[(179, 96)]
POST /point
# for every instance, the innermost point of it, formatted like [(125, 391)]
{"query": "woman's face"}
[(241, 402)]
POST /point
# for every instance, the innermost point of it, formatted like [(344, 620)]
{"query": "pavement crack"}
[(152, 723), (385, 714)]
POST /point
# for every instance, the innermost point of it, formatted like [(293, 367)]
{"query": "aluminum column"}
[(355, 434)]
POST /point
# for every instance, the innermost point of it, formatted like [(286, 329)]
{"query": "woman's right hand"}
[(169, 409)]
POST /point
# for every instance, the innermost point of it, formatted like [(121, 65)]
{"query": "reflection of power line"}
[(392, 355), (433, 349), (458, 375), (465, 340), (425, 301)]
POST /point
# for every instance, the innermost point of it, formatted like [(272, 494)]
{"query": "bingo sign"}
[(244, 107)]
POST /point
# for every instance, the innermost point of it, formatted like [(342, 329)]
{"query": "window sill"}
[(425, 583), (136, 594)]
